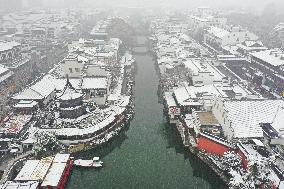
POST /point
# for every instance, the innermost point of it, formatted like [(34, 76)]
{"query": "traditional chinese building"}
[(71, 102)]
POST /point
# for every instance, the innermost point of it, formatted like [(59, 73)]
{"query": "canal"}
[(149, 153)]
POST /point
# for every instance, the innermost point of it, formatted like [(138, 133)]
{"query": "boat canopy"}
[(96, 158)]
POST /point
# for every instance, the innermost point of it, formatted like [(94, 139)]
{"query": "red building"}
[(213, 144), (244, 155)]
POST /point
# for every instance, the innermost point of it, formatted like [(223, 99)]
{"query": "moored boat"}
[(95, 162)]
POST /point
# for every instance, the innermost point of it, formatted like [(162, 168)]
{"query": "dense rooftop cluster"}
[(216, 109)]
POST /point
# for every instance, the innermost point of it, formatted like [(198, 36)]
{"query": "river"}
[(149, 153)]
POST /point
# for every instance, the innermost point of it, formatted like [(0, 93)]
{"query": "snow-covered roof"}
[(251, 43), (278, 121), (3, 69), (34, 170), (197, 67), (170, 99), (249, 151), (60, 83), (246, 116), (4, 46), (71, 56), (69, 92), (279, 27), (189, 95), (251, 48), (199, 18), (257, 142), (26, 104), (28, 94), (20, 185), (54, 175), (61, 158), (94, 83), (39, 90), (273, 57), (82, 59), (28, 141), (185, 97), (218, 32), (4, 73), (241, 91)]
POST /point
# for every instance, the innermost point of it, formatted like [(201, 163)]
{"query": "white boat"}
[(97, 160), (89, 163)]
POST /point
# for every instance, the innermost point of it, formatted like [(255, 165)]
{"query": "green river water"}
[(147, 154)]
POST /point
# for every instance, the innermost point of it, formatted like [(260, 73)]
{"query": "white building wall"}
[(72, 68), (221, 115), (100, 100)]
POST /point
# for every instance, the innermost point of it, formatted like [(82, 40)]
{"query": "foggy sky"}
[(252, 4), (215, 3)]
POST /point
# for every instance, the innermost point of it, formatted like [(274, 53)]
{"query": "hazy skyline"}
[(254, 4)]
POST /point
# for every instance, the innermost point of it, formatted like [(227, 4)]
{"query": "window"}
[(70, 70), (198, 82), (77, 69), (9, 55), (100, 93)]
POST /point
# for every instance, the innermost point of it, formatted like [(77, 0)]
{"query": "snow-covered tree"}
[(257, 176), (231, 160), (237, 180), (260, 173), (46, 142)]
